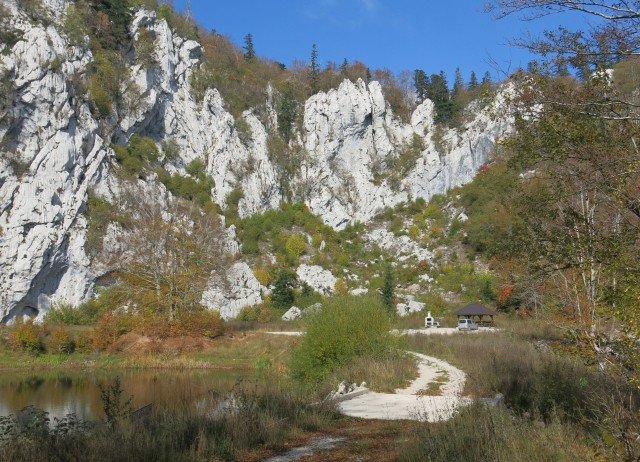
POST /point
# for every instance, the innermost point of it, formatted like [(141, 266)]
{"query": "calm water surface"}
[(61, 393)]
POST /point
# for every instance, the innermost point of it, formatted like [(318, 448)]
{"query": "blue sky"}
[(395, 34)]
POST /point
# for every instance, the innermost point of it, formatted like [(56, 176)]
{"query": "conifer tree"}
[(486, 80), (388, 294), (473, 81), (287, 112), (421, 83), (458, 83), (314, 70), (249, 51), (438, 92), (344, 67), (282, 295)]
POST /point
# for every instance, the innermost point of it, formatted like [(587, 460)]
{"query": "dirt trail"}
[(408, 403)]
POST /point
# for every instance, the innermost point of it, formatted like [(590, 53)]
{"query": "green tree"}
[(111, 24), (282, 295), (388, 290), (314, 70), (473, 81), (421, 83), (344, 67), (438, 92), (249, 51), (458, 83), (486, 80), (287, 113)]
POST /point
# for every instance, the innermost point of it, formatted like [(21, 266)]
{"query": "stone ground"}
[(411, 403)]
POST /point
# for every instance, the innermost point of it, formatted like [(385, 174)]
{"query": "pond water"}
[(63, 392)]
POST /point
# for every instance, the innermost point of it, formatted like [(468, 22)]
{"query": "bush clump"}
[(26, 336), (345, 329)]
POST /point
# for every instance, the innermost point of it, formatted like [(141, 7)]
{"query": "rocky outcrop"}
[(55, 152), (401, 247), (317, 278), (405, 309), (242, 289), (292, 314)]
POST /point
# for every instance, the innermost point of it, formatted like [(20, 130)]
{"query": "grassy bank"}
[(556, 408), (214, 428), (239, 350)]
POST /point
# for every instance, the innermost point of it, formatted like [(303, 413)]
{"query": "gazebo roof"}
[(474, 309)]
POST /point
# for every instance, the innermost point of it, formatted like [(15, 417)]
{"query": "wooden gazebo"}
[(475, 310)]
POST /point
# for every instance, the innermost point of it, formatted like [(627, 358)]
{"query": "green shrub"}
[(295, 246), (165, 11), (171, 150), (100, 98), (196, 187), (143, 147), (243, 129), (196, 168), (145, 48), (258, 313), (233, 200), (85, 314), (346, 328), (282, 295), (107, 73), (74, 27)]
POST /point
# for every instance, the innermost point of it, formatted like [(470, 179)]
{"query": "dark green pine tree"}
[(438, 92), (388, 294), (314, 70), (287, 112), (458, 83), (473, 81), (486, 80), (249, 51), (344, 67), (282, 295), (421, 84)]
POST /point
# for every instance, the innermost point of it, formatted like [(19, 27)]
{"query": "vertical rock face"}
[(54, 152), (51, 152)]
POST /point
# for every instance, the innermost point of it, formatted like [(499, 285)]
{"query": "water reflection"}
[(62, 392)]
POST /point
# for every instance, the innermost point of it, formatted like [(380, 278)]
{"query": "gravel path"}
[(407, 404)]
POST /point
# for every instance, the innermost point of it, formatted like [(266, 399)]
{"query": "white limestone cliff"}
[(55, 151)]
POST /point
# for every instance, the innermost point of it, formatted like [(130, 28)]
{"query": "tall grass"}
[(489, 434), (214, 428), (543, 386), (381, 374)]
